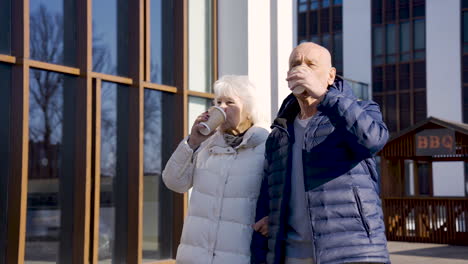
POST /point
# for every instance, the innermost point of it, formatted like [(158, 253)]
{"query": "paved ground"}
[(417, 253)]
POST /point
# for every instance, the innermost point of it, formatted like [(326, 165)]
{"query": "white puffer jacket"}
[(226, 184)]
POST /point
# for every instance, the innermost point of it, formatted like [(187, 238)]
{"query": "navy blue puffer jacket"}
[(340, 177)]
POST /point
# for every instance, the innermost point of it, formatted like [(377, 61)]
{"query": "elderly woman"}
[(225, 170)]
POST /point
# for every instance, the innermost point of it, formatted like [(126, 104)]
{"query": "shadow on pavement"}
[(452, 252)]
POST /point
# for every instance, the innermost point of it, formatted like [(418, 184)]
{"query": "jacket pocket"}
[(360, 210)]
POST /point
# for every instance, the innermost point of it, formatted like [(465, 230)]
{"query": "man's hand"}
[(262, 226), (306, 77)]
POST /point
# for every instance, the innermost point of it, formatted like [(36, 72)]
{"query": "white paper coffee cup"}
[(298, 89), (217, 117)]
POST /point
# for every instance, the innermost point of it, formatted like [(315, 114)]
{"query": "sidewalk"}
[(418, 253)]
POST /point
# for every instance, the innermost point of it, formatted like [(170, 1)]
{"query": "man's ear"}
[(331, 75)]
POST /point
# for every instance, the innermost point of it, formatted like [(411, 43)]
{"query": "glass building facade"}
[(95, 96)]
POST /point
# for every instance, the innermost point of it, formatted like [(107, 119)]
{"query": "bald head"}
[(317, 59), (310, 52)]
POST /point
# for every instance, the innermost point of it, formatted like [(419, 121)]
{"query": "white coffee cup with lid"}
[(217, 117)]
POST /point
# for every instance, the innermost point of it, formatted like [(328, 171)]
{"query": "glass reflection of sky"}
[(156, 41), (105, 36), (152, 132), (46, 30)]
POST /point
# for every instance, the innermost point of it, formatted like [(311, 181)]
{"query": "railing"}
[(360, 89), (427, 220)]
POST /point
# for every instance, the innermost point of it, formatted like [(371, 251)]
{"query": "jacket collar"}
[(253, 137), (290, 107)]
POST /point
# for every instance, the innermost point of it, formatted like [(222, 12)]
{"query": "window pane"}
[(404, 70), (391, 39), (5, 27), (200, 46), (113, 214), (45, 171), (315, 39), (377, 11), (405, 37), (324, 20), (302, 8), (465, 3), (424, 175), (313, 22), (157, 199), (419, 106), (378, 41), (338, 52), (405, 114), (419, 75), (52, 38), (326, 42), (391, 113), (390, 10), (325, 3), (5, 88), (419, 8), (197, 106), (337, 18), (314, 4), (377, 76), (110, 37), (162, 42), (301, 27), (409, 177), (390, 76), (337, 2), (404, 9), (419, 34)]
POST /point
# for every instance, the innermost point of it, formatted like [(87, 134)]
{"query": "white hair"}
[(241, 87)]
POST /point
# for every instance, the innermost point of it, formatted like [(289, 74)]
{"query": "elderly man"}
[(319, 200)]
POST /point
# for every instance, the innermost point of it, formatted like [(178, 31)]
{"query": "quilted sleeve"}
[(367, 133), (178, 173)]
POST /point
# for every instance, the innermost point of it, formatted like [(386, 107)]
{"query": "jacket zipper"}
[(221, 206), (361, 213), (314, 249)]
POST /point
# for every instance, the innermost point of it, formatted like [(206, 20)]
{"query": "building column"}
[(443, 60), (357, 42), (255, 39)]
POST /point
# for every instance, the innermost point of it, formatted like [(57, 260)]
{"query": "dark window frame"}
[(381, 63), (325, 27)]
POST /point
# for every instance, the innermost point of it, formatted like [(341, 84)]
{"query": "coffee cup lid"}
[(222, 111)]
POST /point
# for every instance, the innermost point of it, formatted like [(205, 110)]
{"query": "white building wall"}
[(448, 178), (255, 39), (283, 20), (443, 59), (443, 73), (357, 42)]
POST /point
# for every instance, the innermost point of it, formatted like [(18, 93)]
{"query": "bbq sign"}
[(435, 142)]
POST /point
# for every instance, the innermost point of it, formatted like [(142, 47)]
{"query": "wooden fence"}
[(427, 220)]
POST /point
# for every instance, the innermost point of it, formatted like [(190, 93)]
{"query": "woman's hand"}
[(262, 226), (196, 138)]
